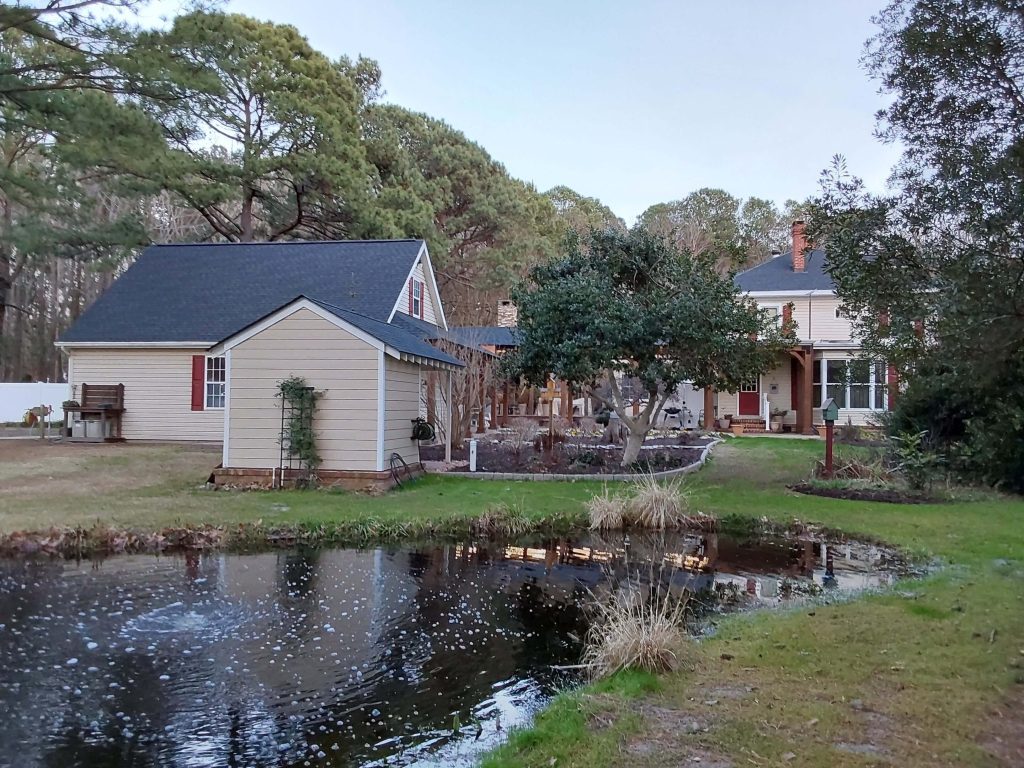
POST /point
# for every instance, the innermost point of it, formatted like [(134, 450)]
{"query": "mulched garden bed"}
[(887, 495), (581, 456)]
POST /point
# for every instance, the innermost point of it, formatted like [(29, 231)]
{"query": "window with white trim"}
[(216, 381), (417, 298), (774, 312), (857, 385)]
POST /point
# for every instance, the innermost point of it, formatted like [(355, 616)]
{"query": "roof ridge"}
[(295, 242)]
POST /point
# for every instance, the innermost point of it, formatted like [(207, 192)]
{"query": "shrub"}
[(522, 432), (915, 461), (636, 628), (657, 504), (974, 422), (606, 512)]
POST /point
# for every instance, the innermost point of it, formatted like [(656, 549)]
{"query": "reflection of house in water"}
[(762, 568)]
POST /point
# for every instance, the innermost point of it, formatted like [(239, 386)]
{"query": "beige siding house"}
[(354, 319), (824, 363)]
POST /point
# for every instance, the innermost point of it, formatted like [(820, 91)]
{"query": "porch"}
[(790, 395)]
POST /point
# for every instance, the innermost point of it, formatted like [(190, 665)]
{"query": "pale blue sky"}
[(631, 102)]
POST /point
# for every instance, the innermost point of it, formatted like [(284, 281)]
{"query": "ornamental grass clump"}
[(659, 505), (503, 521), (606, 512), (638, 628)]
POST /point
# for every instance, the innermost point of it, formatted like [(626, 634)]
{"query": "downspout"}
[(451, 413)]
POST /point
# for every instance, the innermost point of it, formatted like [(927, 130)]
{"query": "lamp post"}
[(829, 412)]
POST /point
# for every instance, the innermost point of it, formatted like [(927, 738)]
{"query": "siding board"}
[(333, 361), (157, 392)]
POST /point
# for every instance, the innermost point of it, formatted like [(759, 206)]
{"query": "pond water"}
[(413, 655)]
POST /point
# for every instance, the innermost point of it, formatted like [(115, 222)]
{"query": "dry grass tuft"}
[(659, 505), (606, 512), (636, 629), (503, 521)]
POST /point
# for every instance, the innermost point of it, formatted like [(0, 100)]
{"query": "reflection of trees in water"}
[(508, 620)]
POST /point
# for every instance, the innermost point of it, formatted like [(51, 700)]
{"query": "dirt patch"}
[(1004, 739), (673, 737), (886, 495), (576, 458)]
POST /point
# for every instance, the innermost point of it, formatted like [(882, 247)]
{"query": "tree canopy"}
[(933, 275), (628, 304), (484, 227)]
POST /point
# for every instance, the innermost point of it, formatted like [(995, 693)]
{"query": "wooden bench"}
[(103, 402)]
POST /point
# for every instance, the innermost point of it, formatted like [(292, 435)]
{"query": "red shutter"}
[(893, 383), (198, 382), (423, 298), (787, 317), (410, 295)]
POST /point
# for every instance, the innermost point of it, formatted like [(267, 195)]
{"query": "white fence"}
[(16, 399)]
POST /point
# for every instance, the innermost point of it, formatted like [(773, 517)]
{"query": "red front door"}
[(750, 398)]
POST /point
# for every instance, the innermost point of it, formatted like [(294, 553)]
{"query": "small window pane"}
[(860, 396), (881, 386), (836, 371)]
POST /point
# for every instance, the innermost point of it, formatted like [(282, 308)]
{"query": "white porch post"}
[(451, 420)]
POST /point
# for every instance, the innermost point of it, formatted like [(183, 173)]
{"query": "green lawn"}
[(927, 675), (931, 674), (149, 487)]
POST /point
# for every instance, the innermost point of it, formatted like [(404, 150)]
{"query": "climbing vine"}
[(299, 438)]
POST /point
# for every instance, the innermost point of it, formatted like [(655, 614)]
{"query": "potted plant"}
[(777, 415), (725, 422), (737, 429)]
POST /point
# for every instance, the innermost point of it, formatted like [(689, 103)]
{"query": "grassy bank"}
[(931, 674), (117, 497)]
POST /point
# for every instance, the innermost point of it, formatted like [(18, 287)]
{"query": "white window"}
[(774, 312), (854, 384), (417, 298), (216, 381)]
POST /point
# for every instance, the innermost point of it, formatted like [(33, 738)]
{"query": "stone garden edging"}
[(617, 477)]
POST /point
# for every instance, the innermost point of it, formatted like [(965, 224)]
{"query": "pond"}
[(412, 655)]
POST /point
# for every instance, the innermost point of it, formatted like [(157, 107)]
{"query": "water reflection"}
[(417, 655)]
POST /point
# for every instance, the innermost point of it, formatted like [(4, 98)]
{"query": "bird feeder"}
[(829, 413)]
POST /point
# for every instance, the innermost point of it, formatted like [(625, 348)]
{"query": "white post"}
[(472, 455), (448, 431), (767, 414)]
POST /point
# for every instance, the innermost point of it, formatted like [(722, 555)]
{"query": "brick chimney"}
[(799, 231), (508, 314)]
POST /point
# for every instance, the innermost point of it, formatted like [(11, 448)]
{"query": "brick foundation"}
[(348, 479)]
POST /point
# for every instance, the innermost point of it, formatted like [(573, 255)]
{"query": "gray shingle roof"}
[(777, 275), (394, 335), (491, 335), (207, 292)]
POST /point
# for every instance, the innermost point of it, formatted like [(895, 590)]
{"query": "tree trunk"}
[(634, 442), (245, 223)]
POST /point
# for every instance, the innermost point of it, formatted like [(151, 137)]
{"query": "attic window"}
[(417, 298)]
